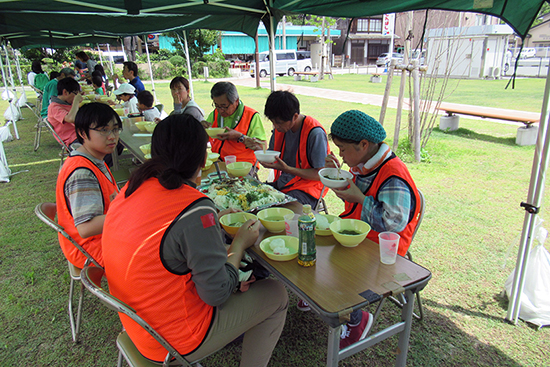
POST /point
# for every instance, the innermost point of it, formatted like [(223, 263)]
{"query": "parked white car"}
[(528, 52), (286, 62), (384, 59)]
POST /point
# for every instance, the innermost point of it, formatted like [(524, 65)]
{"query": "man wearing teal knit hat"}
[(382, 192)]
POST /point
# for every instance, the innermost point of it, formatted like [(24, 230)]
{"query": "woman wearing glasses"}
[(85, 185)]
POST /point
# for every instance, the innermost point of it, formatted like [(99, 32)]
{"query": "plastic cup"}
[(291, 224), (389, 243), (230, 159)]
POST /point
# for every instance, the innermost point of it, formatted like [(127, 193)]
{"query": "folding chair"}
[(321, 206), (64, 148), (400, 303), (46, 213), (160, 107), (91, 278)]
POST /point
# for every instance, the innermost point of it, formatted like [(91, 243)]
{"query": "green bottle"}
[(307, 254)]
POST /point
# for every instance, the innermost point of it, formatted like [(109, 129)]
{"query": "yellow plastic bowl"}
[(213, 156), (207, 165), (273, 219), (237, 219), (325, 232), (150, 127), (214, 131), (119, 111), (146, 148), (141, 125), (349, 240), (239, 169), (147, 156), (290, 242)]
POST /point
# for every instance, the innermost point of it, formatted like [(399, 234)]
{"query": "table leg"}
[(114, 156), (404, 336), (333, 346)]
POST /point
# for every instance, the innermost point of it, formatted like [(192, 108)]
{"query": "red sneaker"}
[(352, 334), (303, 306)]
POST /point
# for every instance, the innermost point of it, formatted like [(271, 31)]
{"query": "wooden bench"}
[(526, 118), (311, 73), (526, 135)]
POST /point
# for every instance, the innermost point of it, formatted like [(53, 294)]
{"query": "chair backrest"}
[(160, 107), (46, 212), (91, 278), (59, 140), (420, 213)]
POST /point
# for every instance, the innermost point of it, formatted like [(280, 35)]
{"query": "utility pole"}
[(322, 71)]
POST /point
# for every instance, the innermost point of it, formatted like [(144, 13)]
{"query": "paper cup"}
[(389, 243)]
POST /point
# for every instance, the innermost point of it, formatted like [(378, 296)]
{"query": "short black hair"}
[(146, 98), (94, 115), (131, 66), (54, 74), (96, 80), (68, 84), (281, 105)]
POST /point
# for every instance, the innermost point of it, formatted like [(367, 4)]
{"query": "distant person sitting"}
[(63, 109), (145, 105), (50, 90), (90, 64), (85, 186), (37, 77), (97, 82), (125, 93), (130, 72), (179, 87)]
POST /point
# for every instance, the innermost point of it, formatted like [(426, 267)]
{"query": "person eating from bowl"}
[(85, 186), (382, 192), (244, 130), (188, 293), (125, 93), (303, 144)]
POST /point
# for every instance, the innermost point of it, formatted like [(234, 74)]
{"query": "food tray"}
[(228, 183)]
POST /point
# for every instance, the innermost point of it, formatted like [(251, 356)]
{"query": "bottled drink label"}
[(306, 228)]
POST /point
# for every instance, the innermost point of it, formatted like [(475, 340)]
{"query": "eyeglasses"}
[(220, 108), (75, 92), (106, 132)]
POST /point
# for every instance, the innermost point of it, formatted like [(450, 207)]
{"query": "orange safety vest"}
[(392, 167), (232, 147), (65, 219), (311, 187), (132, 241)]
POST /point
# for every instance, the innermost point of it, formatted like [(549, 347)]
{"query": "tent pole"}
[(189, 71), (535, 197), (4, 79), (272, 74), (150, 68), (110, 58)]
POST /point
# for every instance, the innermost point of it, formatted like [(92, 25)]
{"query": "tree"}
[(199, 42), (545, 9)]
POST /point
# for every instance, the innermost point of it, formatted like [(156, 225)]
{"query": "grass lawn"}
[(473, 181), (526, 96)]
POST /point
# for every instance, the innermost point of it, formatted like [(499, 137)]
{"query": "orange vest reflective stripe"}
[(132, 242), (393, 167), (313, 188), (65, 218), (232, 147)]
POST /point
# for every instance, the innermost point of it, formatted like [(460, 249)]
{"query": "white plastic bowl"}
[(267, 157), (328, 178)]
